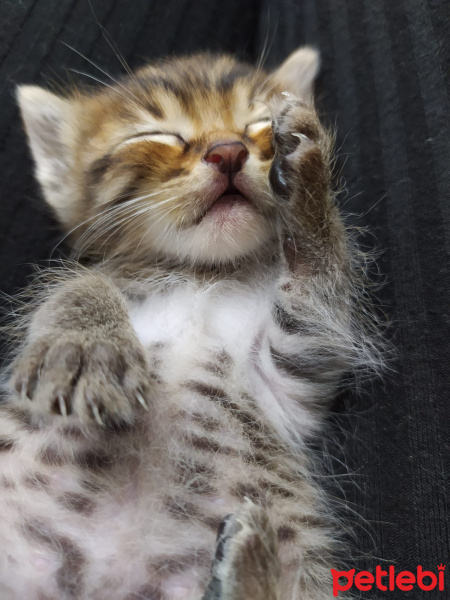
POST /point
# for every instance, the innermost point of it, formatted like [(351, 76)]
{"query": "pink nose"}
[(227, 157)]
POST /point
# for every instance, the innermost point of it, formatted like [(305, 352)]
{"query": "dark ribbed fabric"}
[(385, 85)]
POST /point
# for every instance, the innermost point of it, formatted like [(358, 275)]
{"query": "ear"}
[(298, 72), (47, 120)]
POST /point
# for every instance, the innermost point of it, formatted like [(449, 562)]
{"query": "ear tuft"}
[(298, 72), (44, 115), (47, 119)]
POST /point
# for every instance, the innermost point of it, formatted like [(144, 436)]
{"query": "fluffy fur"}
[(177, 377)]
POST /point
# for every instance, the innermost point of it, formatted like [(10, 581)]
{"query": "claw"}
[(96, 414), (301, 136), (287, 94), (62, 405), (141, 400)]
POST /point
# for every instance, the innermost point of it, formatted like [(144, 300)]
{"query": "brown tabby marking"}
[(22, 417), (208, 423), (290, 324), (7, 444), (207, 445), (220, 396), (286, 534), (220, 364), (185, 511), (69, 577), (94, 460), (7, 483), (204, 421), (275, 489), (36, 480), (78, 503), (260, 459), (263, 140), (209, 391), (309, 521), (296, 367), (197, 476), (91, 485), (72, 431), (52, 456), (263, 443), (247, 490)]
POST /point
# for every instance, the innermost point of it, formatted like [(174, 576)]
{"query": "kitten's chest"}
[(190, 325), (204, 343)]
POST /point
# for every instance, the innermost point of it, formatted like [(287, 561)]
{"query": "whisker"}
[(112, 214), (105, 213), (117, 222), (104, 72), (107, 37), (125, 221), (266, 46), (99, 81)]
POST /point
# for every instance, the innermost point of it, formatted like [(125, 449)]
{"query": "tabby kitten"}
[(165, 391)]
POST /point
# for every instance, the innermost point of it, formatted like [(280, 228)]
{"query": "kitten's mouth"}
[(228, 204), (231, 196)]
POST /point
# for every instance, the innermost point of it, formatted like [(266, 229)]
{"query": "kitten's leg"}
[(82, 357), (68, 459), (311, 230), (315, 284), (311, 344), (246, 565)]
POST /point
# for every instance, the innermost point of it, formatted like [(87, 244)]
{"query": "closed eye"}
[(257, 126), (161, 137)]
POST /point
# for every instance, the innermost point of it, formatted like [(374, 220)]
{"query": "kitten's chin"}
[(230, 230)]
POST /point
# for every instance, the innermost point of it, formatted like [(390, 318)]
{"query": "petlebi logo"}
[(388, 581)]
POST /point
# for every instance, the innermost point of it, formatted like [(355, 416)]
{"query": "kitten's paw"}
[(296, 131), (300, 175), (102, 381), (246, 563)]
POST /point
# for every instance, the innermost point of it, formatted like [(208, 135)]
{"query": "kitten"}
[(165, 392)]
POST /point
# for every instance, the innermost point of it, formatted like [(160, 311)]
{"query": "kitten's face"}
[(173, 162)]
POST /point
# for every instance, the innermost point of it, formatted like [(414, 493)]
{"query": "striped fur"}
[(179, 378)]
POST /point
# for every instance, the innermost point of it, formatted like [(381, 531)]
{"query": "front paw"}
[(103, 381), (311, 235), (296, 132)]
